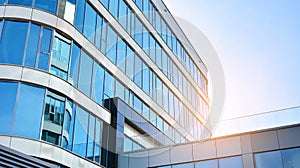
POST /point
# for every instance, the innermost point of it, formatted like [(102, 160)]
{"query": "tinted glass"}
[(235, 162), (32, 45), (8, 95), (12, 42), (43, 61), (268, 160), (109, 86), (291, 158), (146, 76), (120, 90), (207, 164), (121, 54), (113, 7), (103, 36), (79, 15), (80, 132), (122, 13), (138, 71), (85, 74), (111, 50), (89, 22), (91, 138), (98, 83), (98, 31), (187, 165), (137, 104), (49, 5), (105, 3), (74, 65), (129, 63), (69, 120), (20, 2), (46, 40), (29, 112)]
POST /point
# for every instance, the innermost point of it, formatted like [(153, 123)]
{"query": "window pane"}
[(74, 66), (146, 80), (89, 23), (120, 90), (98, 83), (103, 37), (235, 162), (138, 66), (268, 160), (122, 13), (43, 61), (291, 158), (129, 63), (32, 45), (46, 40), (80, 132), (187, 165), (29, 112), (105, 3), (85, 74), (11, 50), (60, 56), (53, 119), (49, 5), (111, 50), (79, 16), (69, 125), (98, 135), (98, 31), (137, 104), (113, 7), (109, 86), (8, 94), (91, 138), (21, 2), (121, 55), (207, 164)]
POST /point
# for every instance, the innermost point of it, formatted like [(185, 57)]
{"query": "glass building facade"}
[(94, 79)]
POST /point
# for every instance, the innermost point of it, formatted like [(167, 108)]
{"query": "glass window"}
[(111, 50), (74, 65), (20, 2), (158, 59), (138, 74), (122, 13), (8, 95), (98, 31), (146, 42), (235, 162), (89, 23), (121, 54), (85, 74), (159, 92), (152, 117), (109, 86), (120, 90), (268, 160), (146, 80), (49, 5), (43, 61), (152, 48), (291, 158), (53, 119), (98, 139), (114, 8), (137, 104), (80, 132), (46, 40), (11, 50), (98, 83), (79, 15), (171, 104), (165, 98), (69, 118), (186, 165), (139, 3), (129, 61), (146, 111), (103, 36), (159, 123), (91, 138), (32, 45), (60, 56), (138, 34), (66, 10), (127, 144), (164, 63), (29, 112)]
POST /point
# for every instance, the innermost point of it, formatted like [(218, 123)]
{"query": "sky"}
[(258, 43)]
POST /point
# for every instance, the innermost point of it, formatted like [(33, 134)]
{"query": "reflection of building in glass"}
[(88, 83)]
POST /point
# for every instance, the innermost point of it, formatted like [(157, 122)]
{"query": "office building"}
[(83, 81)]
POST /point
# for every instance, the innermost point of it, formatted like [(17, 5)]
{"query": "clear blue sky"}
[(258, 43)]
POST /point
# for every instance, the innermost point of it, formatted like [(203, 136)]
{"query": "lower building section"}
[(274, 148)]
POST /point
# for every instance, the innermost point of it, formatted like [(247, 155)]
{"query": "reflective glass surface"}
[(20, 2), (74, 65), (32, 45), (98, 83), (29, 112), (80, 132), (79, 15), (187, 165), (8, 95), (85, 74), (268, 160), (291, 158), (235, 162), (49, 5), (89, 23), (12, 42)]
